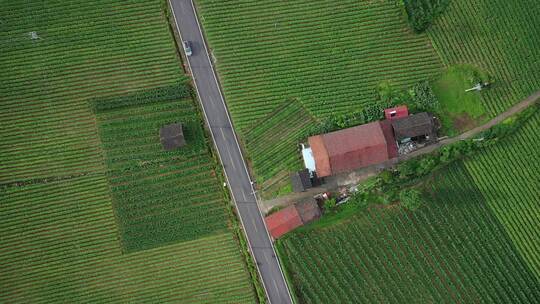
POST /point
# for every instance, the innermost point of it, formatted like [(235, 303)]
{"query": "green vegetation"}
[(422, 12), (507, 175), (450, 249), (410, 199), (498, 37), (459, 109), (328, 56), (60, 235)]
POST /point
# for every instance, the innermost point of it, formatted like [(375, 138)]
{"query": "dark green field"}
[(159, 197)]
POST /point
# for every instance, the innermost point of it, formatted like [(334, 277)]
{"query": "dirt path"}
[(357, 176)]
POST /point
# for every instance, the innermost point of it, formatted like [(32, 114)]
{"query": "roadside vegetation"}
[(467, 237), (83, 193)]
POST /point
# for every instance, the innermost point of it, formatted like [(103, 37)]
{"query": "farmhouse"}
[(172, 136), (353, 148), (369, 144)]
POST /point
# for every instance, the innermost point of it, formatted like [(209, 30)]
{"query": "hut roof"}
[(308, 210), (283, 221), (396, 112), (414, 125)]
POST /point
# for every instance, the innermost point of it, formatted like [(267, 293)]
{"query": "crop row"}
[(506, 174)]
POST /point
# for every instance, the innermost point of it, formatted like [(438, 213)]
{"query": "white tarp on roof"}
[(309, 161)]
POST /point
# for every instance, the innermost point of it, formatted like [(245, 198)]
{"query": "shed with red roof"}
[(283, 221), (396, 112)]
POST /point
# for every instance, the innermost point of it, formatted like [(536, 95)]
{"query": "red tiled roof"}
[(399, 111), (349, 149), (283, 221), (320, 154)]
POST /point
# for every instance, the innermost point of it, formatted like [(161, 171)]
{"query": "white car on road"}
[(187, 47)]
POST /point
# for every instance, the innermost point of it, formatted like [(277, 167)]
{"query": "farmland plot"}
[(500, 37), (159, 197), (451, 250), (508, 176), (60, 244), (329, 56), (273, 145), (60, 241)]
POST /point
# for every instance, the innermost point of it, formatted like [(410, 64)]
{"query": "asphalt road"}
[(224, 137)]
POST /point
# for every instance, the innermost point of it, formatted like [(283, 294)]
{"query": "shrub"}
[(423, 98), (410, 199), (422, 12), (329, 205)]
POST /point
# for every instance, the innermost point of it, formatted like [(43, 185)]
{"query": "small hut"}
[(172, 136)]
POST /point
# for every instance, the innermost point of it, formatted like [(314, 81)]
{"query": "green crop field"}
[(92, 209), (508, 176), (453, 250), (329, 56), (499, 37), (273, 147), (159, 197)]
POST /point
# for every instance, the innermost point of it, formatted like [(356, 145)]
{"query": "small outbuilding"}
[(396, 112), (172, 136), (308, 210), (301, 180), (283, 221), (421, 126)]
